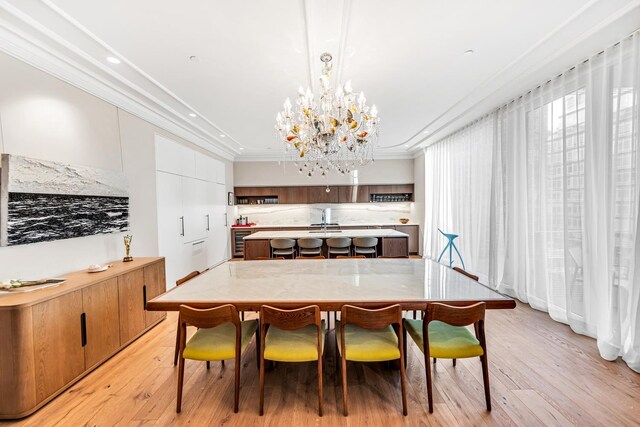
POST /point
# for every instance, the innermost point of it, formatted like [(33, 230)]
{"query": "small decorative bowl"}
[(404, 220)]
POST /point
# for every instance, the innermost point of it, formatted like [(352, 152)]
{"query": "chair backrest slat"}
[(372, 318), (466, 273), (187, 277), (290, 320), (209, 318), (311, 257), (456, 316)]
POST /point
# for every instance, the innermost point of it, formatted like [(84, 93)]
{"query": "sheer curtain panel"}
[(544, 193)]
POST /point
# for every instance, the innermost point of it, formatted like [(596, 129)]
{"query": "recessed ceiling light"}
[(222, 135), (426, 132), (406, 145), (469, 52), (193, 114), (242, 148), (113, 59)]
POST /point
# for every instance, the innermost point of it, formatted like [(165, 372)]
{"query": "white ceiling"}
[(408, 57)]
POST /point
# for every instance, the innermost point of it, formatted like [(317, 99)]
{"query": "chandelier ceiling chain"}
[(338, 131)]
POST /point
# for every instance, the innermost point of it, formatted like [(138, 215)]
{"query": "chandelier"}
[(335, 131)]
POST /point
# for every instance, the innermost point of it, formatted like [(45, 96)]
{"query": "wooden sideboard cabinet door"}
[(58, 351), (131, 303), (154, 279), (100, 305)]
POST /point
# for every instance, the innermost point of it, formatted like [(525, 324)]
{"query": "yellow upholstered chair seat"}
[(218, 343), (300, 345), (445, 341), (367, 345)]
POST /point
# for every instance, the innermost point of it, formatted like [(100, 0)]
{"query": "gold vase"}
[(127, 248)]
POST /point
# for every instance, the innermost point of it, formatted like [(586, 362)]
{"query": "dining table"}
[(329, 284)]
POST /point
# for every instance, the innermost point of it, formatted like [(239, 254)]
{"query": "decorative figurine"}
[(127, 248)]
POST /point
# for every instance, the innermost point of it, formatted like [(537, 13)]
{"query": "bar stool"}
[(338, 246), (282, 247), (365, 246), (309, 247)]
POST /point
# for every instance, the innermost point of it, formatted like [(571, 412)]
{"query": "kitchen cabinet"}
[(414, 236), (192, 231), (353, 194), (53, 337), (293, 195), (319, 194)]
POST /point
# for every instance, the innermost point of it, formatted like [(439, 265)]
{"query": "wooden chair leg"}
[(175, 355), (180, 381), (258, 348), (261, 384), (454, 363), (344, 385), (485, 378), (222, 361), (404, 345), (320, 385), (236, 395), (403, 382), (434, 360), (427, 368), (208, 364)]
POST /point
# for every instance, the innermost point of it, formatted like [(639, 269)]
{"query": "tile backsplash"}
[(343, 213)]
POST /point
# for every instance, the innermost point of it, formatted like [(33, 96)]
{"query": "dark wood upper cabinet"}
[(293, 195), (353, 194), (319, 194)]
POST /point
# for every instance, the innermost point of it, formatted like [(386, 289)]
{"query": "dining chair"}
[(338, 246), (365, 335), (395, 256), (266, 258), (365, 246), (220, 336), (309, 247), (444, 334), (351, 257), (466, 273), (283, 247), (291, 336), (311, 257), (178, 283)]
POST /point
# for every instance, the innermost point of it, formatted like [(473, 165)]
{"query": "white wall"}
[(285, 173), (45, 118)]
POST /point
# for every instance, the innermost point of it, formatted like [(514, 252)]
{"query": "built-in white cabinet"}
[(192, 223)]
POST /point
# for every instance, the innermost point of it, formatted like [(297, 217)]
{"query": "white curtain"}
[(545, 192)]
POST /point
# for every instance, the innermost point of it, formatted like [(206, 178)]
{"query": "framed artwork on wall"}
[(230, 198), (42, 201)]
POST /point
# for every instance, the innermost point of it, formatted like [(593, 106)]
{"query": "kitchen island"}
[(390, 242)]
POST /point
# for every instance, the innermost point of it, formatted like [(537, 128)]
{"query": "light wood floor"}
[(541, 374)]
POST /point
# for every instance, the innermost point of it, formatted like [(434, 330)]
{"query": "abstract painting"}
[(42, 201)]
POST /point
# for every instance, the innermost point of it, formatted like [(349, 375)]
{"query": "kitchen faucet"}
[(324, 220)]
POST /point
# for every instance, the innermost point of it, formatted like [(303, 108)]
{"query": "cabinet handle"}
[(225, 219), (83, 328), (207, 222), (144, 297), (197, 243), (182, 226)]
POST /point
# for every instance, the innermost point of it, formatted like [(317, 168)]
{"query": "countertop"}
[(333, 226), (299, 234)]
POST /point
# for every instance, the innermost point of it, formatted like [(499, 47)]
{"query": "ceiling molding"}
[(488, 98), (23, 38), (279, 156)]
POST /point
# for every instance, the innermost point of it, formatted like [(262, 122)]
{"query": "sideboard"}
[(51, 338)]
